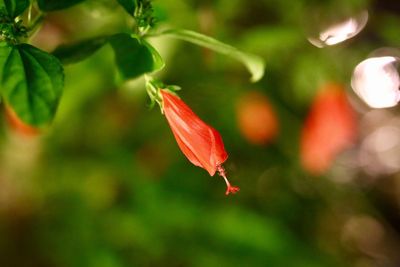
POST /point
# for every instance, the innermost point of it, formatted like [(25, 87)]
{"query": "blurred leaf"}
[(74, 53), (31, 83), (253, 63), (133, 56), (52, 5), (16, 7), (128, 5)]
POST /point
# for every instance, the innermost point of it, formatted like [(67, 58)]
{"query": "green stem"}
[(34, 22), (30, 14)]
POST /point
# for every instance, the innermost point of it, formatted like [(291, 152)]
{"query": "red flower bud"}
[(200, 143)]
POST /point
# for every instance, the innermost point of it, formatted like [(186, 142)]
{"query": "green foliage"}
[(79, 51), (52, 5), (253, 63), (144, 14), (16, 7), (11, 30), (158, 62), (142, 11), (134, 57), (128, 5), (31, 83)]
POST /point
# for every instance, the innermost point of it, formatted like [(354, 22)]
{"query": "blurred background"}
[(107, 186)]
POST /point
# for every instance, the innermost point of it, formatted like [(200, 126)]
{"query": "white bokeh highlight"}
[(340, 31), (376, 81)]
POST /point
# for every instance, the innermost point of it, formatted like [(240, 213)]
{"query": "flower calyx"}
[(154, 87)]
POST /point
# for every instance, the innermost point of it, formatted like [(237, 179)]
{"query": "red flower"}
[(330, 128), (200, 143)]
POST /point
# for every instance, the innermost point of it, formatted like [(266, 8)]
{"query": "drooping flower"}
[(199, 142)]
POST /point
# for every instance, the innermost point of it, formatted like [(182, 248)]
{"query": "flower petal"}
[(200, 143)]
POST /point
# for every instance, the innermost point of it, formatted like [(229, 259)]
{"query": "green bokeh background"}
[(106, 185)]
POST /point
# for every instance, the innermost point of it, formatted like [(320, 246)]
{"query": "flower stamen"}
[(229, 187)]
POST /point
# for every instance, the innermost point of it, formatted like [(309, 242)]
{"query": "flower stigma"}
[(229, 187)]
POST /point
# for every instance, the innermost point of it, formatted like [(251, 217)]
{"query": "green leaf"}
[(5, 51), (158, 62), (16, 7), (253, 63), (74, 53), (134, 57), (31, 82), (52, 5), (128, 5)]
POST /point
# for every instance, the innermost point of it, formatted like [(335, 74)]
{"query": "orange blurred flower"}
[(330, 127), (199, 142), (17, 125), (256, 118)]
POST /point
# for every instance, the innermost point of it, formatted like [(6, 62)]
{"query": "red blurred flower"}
[(256, 118), (200, 143), (330, 127)]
